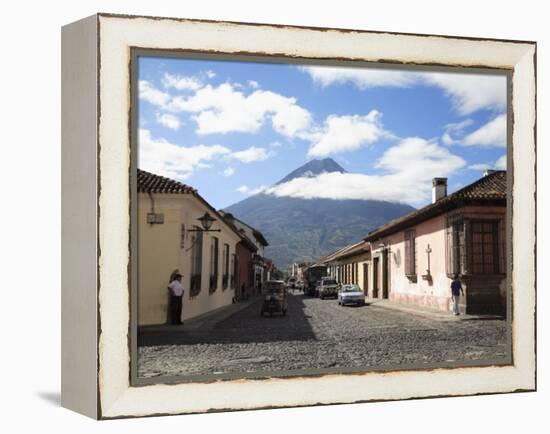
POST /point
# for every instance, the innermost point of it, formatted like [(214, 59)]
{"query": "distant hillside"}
[(306, 229), (299, 229)]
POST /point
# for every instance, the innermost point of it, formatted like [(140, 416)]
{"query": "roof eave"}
[(434, 212)]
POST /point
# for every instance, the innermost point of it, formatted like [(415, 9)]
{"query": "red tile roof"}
[(489, 190), (151, 183), (344, 252)]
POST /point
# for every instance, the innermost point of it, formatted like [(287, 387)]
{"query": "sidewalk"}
[(203, 322), (427, 312)]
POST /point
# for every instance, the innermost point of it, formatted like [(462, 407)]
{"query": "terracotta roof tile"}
[(150, 183), (490, 189)]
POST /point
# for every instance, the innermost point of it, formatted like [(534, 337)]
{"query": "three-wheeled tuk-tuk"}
[(274, 294)]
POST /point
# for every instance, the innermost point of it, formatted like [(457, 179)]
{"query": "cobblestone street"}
[(319, 334)]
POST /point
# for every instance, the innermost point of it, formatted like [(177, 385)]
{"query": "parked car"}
[(274, 293), (351, 294), (328, 288)]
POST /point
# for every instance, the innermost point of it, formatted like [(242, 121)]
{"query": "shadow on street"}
[(245, 326)]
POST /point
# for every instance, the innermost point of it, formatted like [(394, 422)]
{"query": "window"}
[(456, 247), (234, 268), (225, 266), (214, 264), (410, 253), (473, 246), (484, 247), (196, 263)]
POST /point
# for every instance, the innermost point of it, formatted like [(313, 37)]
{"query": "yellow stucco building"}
[(350, 265), (170, 237)]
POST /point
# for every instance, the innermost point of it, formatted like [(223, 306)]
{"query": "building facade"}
[(170, 237), (259, 265), (349, 265), (414, 258)]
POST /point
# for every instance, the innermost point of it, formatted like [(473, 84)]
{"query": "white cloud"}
[(152, 95), (457, 129), (251, 154), (275, 144), (345, 133), (459, 126), (223, 109), (168, 120), (178, 162), (420, 158), (210, 74), (361, 77), (291, 120), (468, 92), (447, 139), (253, 84), (229, 171), (492, 134), (181, 82), (501, 163), (244, 189), (409, 166)]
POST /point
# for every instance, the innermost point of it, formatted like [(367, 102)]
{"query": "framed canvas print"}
[(262, 216)]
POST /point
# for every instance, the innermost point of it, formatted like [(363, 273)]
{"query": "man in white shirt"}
[(176, 294)]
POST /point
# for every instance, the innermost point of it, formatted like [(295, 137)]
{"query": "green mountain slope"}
[(306, 229)]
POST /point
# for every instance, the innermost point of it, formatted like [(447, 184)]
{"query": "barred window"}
[(410, 253), (214, 246), (225, 266), (196, 263), (456, 247), (484, 247), (234, 270)]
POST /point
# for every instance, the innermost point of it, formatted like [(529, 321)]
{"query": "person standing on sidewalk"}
[(176, 294), (456, 290)]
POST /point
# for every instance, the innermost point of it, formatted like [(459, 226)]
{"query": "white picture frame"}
[(96, 139)]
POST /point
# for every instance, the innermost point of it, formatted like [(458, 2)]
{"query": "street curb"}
[(441, 316), (204, 322)]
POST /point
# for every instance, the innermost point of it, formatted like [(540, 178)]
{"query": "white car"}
[(351, 294), (328, 288)]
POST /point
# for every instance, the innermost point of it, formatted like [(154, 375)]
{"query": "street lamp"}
[(206, 223)]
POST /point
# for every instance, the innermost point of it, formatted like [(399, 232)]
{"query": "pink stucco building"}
[(413, 258)]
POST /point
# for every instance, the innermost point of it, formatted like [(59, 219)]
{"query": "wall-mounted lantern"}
[(206, 223)]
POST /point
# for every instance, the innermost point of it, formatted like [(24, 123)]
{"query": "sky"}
[(232, 129)]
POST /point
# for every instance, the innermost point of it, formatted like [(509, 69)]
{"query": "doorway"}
[(375, 265), (366, 279)]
